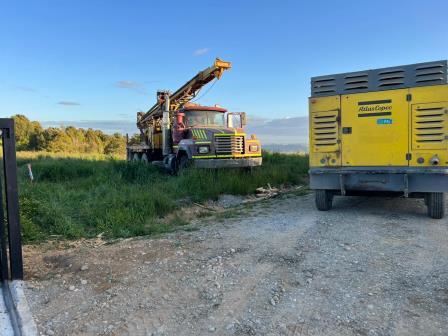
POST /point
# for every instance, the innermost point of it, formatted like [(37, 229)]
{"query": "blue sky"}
[(104, 60)]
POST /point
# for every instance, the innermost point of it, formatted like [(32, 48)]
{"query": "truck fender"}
[(186, 146)]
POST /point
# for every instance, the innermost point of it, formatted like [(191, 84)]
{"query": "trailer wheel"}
[(324, 199), (135, 157), (436, 205)]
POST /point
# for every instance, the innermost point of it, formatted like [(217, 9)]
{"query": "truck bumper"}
[(380, 179), (228, 163)]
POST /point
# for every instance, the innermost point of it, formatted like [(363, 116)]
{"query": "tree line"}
[(31, 136)]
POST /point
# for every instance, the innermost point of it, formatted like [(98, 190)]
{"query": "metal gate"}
[(11, 264)]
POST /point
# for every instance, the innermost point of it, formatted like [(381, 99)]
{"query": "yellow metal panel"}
[(157, 140), (429, 126), (324, 104), (324, 131), (429, 94), (375, 128)]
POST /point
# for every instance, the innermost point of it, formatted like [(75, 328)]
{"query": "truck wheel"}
[(135, 157), (145, 158), (249, 170), (324, 199), (182, 163), (436, 205)]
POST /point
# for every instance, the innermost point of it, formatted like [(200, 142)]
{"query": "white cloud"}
[(68, 103), (25, 88), (131, 85), (201, 51)]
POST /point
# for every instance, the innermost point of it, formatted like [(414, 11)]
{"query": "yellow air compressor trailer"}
[(382, 131)]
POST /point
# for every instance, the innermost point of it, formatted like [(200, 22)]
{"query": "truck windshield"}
[(204, 118)]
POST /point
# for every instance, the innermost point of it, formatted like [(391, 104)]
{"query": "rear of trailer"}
[(381, 132)]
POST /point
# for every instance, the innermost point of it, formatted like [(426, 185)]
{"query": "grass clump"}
[(74, 197)]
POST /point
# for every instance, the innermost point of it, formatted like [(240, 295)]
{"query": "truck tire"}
[(145, 158), (436, 205), (135, 157), (324, 199), (182, 163)]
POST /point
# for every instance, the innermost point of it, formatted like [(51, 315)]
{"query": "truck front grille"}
[(429, 126), (229, 144)]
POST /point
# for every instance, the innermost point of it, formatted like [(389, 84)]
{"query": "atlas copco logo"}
[(375, 108)]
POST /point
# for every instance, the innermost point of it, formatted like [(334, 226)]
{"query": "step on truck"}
[(176, 133), (381, 132)]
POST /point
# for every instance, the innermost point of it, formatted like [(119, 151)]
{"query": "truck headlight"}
[(253, 148), (203, 149)]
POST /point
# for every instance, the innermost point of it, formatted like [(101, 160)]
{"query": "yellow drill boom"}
[(188, 91)]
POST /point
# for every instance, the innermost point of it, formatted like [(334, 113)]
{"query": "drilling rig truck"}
[(382, 131), (177, 133)]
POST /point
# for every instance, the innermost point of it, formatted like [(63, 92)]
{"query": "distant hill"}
[(280, 135), (288, 148), (286, 131)]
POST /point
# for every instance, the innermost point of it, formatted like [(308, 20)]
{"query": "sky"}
[(95, 60)]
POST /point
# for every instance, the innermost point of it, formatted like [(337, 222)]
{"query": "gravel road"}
[(374, 266)]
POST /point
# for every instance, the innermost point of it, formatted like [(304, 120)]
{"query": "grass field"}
[(82, 196)]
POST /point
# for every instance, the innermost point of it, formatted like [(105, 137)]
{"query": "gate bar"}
[(12, 199)]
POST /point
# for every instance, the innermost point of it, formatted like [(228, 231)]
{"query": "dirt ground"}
[(374, 266)]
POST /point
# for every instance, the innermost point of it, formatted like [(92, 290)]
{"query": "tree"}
[(27, 132), (31, 136), (116, 144)]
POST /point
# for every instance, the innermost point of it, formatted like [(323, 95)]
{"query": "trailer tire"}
[(436, 205), (324, 199)]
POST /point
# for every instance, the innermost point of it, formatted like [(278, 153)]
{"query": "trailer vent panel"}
[(429, 126), (325, 86), (428, 75), (401, 77), (391, 78), (357, 81), (325, 130)]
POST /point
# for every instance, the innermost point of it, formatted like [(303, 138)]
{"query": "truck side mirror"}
[(243, 119), (236, 119)]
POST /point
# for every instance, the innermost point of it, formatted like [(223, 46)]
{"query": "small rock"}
[(71, 288), (84, 267), (229, 326), (272, 302), (83, 282), (211, 329), (49, 332)]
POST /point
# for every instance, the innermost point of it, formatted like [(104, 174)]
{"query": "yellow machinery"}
[(382, 131)]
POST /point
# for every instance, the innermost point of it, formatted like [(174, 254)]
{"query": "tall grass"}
[(77, 197)]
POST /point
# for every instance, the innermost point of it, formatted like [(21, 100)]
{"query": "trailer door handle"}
[(346, 130)]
